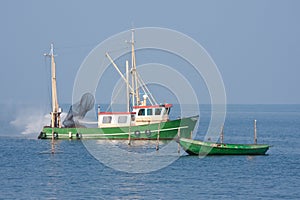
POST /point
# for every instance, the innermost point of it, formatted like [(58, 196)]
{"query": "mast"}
[(135, 87), (255, 133), (55, 114), (127, 88)]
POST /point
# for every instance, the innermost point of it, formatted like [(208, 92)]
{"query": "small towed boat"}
[(196, 147)]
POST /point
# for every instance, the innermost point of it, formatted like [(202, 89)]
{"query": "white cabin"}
[(151, 114), (139, 116), (115, 119)]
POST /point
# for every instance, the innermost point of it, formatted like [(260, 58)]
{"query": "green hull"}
[(194, 147), (163, 131)]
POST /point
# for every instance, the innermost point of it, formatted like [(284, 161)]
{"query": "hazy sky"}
[(255, 43)]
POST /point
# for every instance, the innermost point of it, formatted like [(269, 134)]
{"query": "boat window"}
[(132, 117), (122, 119), (167, 110), (149, 111), (157, 111), (106, 120), (141, 112)]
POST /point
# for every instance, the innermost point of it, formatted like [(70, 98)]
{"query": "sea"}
[(68, 169)]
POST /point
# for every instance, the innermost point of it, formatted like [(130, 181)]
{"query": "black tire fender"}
[(148, 132), (55, 135), (137, 133)]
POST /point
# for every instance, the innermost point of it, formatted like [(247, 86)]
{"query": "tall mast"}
[(127, 88), (134, 75), (55, 114)]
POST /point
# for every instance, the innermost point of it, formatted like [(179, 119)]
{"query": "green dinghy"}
[(196, 147)]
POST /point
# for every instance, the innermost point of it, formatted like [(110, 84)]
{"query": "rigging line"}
[(115, 97), (118, 91), (147, 89), (151, 96), (130, 104), (109, 107), (102, 64), (143, 88)]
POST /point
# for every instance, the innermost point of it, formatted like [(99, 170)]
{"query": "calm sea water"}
[(29, 171)]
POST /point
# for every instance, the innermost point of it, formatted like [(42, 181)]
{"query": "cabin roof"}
[(116, 113), (168, 105)]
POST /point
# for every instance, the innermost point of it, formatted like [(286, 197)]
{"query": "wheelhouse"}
[(141, 115), (151, 114)]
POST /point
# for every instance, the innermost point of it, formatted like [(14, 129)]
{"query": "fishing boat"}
[(197, 147), (142, 120)]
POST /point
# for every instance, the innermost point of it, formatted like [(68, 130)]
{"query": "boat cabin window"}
[(122, 119), (167, 111), (132, 117), (149, 111), (141, 112), (106, 120), (157, 111)]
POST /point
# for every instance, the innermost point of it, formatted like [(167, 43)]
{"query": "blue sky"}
[(255, 44)]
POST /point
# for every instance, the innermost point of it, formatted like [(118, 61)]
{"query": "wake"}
[(30, 121)]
